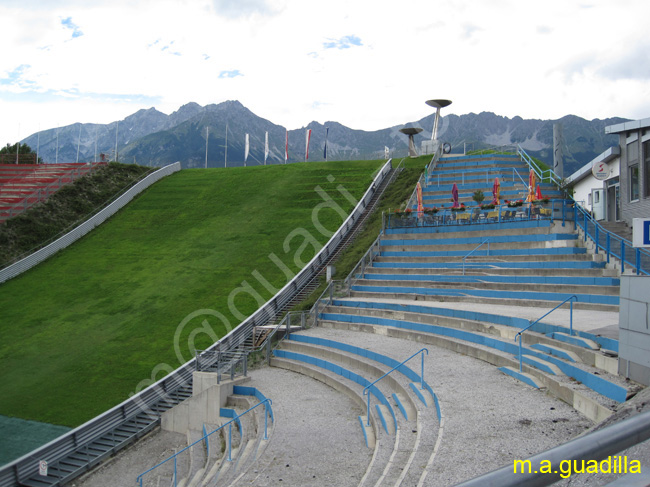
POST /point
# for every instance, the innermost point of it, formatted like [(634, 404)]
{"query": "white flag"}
[(266, 147), (386, 152), (246, 149), (286, 147)]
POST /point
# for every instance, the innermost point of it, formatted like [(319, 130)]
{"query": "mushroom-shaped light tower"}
[(411, 131), (437, 104)]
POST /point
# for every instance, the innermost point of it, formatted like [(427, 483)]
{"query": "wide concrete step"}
[(505, 327), (610, 386), (593, 405), (489, 269), (479, 231), (474, 299), (556, 291), (532, 257)]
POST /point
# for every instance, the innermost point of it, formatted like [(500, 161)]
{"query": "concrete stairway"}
[(577, 372), (471, 173), (404, 417), (526, 263)]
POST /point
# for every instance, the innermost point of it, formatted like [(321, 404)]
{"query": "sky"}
[(368, 64)]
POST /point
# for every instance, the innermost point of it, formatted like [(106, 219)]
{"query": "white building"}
[(596, 185)]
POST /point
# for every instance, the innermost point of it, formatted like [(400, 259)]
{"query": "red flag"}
[(307, 137)]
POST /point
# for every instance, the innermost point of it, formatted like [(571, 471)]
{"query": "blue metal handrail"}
[(487, 240), (205, 439), (520, 333), (584, 220), (365, 390)]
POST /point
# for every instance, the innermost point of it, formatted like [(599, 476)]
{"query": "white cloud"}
[(368, 64)]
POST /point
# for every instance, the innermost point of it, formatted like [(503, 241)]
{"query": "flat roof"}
[(626, 126), (607, 156)]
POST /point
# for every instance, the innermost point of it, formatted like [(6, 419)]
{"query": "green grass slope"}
[(177, 267)]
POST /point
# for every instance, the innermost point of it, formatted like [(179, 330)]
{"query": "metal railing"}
[(611, 244), (366, 390), (205, 437), (553, 210), (72, 236), (490, 174), (23, 468), (521, 332), (547, 175), (486, 241)]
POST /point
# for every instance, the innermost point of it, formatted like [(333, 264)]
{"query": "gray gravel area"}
[(317, 439)]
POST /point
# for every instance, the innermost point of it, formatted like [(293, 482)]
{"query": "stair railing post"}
[(622, 256), (571, 318), (230, 442), (638, 261), (596, 237), (609, 243), (175, 471), (266, 419)]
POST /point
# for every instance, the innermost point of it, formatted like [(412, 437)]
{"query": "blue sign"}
[(641, 232)]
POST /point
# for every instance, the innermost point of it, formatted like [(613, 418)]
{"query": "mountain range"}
[(150, 137)]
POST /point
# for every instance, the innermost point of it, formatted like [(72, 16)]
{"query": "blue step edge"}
[(400, 406), (418, 393), (519, 376), (573, 340), (363, 430), (381, 418), (553, 351)]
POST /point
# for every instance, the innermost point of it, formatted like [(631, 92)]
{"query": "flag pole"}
[(207, 136)]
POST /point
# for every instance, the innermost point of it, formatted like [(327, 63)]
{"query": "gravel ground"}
[(317, 438)]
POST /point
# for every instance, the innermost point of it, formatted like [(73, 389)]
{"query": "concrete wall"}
[(634, 329), (208, 397)]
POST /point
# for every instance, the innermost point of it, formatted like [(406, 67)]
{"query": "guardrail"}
[(40, 255), (489, 175), (543, 175), (23, 468), (366, 390), (611, 244), (521, 332), (205, 437), (553, 210)]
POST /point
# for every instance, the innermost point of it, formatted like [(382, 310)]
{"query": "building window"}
[(634, 182), (632, 152), (646, 169)]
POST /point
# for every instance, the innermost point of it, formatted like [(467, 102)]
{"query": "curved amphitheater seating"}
[(400, 406), (24, 185), (205, 461)]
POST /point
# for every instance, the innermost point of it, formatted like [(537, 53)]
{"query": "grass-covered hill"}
[(131, 300)]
